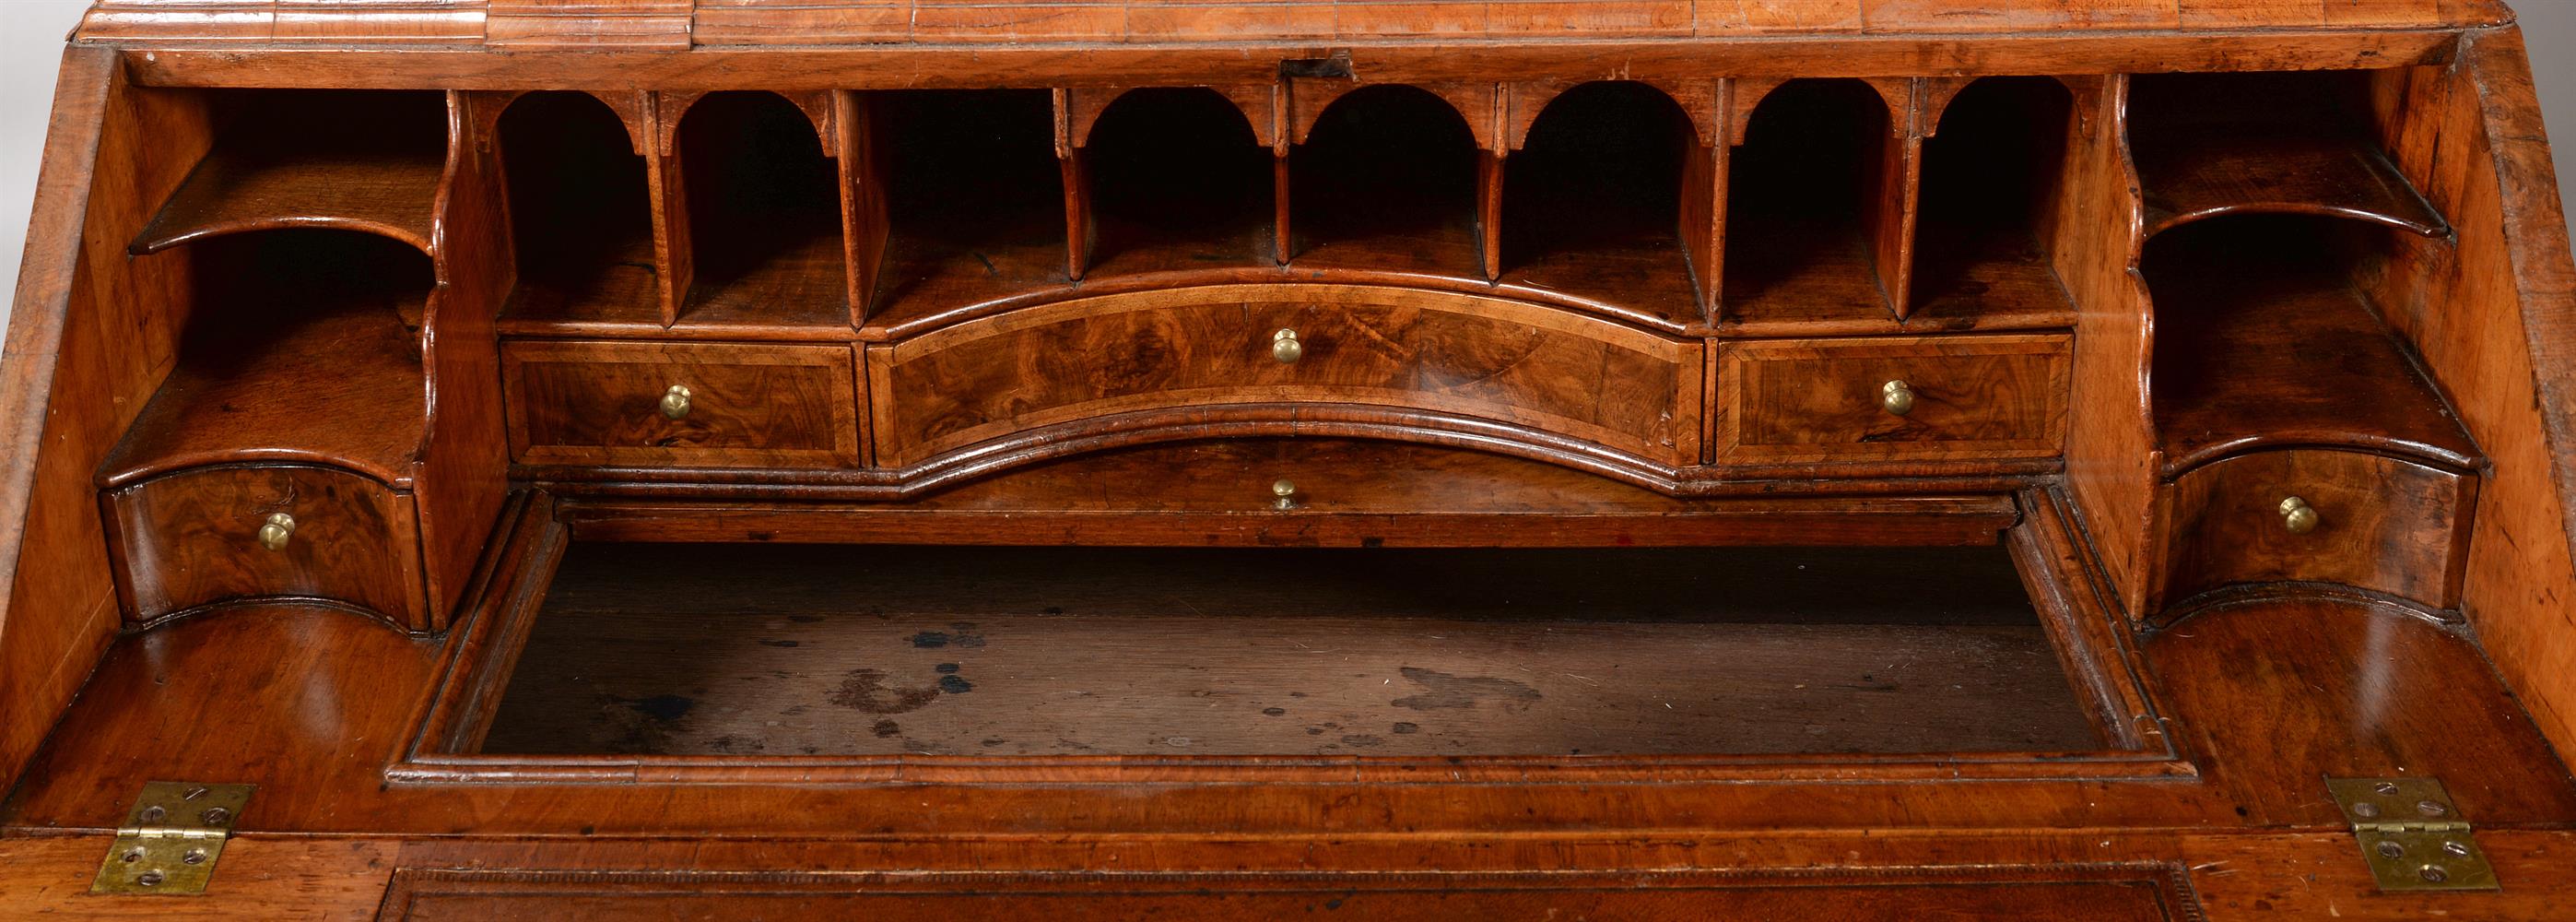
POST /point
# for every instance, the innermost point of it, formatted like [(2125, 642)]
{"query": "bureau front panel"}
[(1534, 367), (1914, 398), (697, 405)]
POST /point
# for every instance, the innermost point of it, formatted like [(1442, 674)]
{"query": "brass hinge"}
[(171, 839), (2412, 836)]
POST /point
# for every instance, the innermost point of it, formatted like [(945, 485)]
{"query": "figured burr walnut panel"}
[(2374, 522), (697, 405), (196, 537), (1915, 398), (1227, 347)]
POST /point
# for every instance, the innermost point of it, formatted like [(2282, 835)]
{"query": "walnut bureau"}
[(1106, 459)]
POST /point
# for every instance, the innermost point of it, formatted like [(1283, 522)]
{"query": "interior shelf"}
[(360, 159), (581, 215), (889, 650), (1178, 182), (1592, 202), (2264, 339), (1806, 183), (1386, 183), (1990, 184), (764, 208), (297, 349), (976, 208), (2211, 144)]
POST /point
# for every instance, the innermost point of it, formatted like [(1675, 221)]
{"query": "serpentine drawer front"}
[(2315, 515), (1892, 399), (215, 533), (1540, 368), (673, 404)]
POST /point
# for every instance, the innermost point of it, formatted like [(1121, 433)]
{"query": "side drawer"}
[(1913, 398), (2372, 522), (681, 404), (1536, 368), (194, 537)]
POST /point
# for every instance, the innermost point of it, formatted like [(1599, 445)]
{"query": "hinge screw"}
[(2433, 873), (2391, 849), (2455, 849), (194, 856), (153, 814), (215, 816), (2365, 810), (2431, 807), (148, 878)]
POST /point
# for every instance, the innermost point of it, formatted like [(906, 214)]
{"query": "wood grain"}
[(1820, 400), (1211, 347), (192, 539), (2385, 525), (600, 403)]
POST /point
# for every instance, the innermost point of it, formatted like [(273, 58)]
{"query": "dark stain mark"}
[(1274, 712), (928, 640), (664, 707), (730, 744), (865, 690), (1296, 694), (946, 668), (1405, 726), (954, 685), (967, 636), (886, 729), (762, 535), (1441, 690), (1361, 740), (792, 711), (804, 619), (1372, 542), (780, 643), (1314, 731), (1334, 903), (996, 741), (1052, 610), (961, 633)]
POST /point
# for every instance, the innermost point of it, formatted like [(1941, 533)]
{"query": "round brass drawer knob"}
[(1283, 493), (1284, 348), (279, 529), (675, 402), (2299, 517), (1896, 397)]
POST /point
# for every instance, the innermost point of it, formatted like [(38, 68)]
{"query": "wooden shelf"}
[(284, 362), (1806, 182), (2263, 341), (2214, 144), (358, 160)]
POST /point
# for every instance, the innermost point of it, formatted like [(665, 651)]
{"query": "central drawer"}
[(681, 404), (1249, 352)]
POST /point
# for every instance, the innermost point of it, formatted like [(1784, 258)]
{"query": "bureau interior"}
[(805, 650)]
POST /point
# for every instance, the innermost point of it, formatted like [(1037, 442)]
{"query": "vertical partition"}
[(1811, 188), (764, 213), (1178, 181)]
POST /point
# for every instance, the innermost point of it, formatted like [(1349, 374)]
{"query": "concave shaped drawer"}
[(215, 533), (1527, 366), (2369, 521), (694, 405), (1915, 398)]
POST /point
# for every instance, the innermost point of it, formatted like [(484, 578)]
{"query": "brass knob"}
[(1285, 348), (1284, 493), (675, 402), (2299, 517), (274, 533), (1896, 397)]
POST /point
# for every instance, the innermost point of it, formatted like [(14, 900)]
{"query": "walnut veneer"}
[(2069, 432)]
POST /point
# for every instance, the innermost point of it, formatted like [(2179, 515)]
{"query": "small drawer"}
[(681, 405), (2362, 520), (215, 533), (1916, 398), (1256, 352)]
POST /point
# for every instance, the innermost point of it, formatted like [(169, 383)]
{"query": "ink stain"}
[(866, 690), (886, 729), (779, 643), (1274, 712), (1361, 740), (962, 633), (663, 707), (954, 685), (929, 640), (1441, 690), (946, 668), (1406, 726), (1314, 731)]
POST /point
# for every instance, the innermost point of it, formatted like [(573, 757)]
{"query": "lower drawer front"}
[(1536, 368), (2373, 522), (681, 405), (196, 537), (1914, 398)]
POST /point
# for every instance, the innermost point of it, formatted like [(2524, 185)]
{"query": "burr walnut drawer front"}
[(1914, 398), (2318, 515), (1251, 354), (688, 405), (211, 534)]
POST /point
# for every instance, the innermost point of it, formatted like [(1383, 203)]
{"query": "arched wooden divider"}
[(1992, 193), (1174, 178), (751, 176), (1391, 178), (579, 176), (1819, 201), (1611, 191)]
